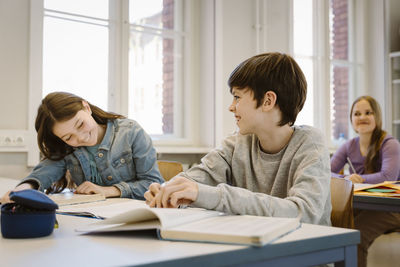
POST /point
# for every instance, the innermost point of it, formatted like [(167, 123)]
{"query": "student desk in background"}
[(391, 204), (308, 245)]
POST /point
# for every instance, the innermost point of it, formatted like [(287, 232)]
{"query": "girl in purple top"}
[(375, 156)]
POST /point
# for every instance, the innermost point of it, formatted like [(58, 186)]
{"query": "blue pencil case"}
[(32, 214)]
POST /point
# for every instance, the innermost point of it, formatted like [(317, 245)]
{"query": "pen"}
[(351, 165)]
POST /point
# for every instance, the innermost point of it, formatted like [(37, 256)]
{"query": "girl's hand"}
[(6, 197), (177, 191), (91, 188), (355, 178)]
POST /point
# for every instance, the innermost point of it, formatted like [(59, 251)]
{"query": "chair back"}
[(342, 203), (169, 169)]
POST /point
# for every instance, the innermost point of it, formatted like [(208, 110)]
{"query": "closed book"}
[(69, 198)]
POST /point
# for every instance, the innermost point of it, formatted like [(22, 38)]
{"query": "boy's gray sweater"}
[(239, 178)]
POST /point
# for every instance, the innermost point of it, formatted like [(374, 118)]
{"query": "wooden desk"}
[(309, 245)]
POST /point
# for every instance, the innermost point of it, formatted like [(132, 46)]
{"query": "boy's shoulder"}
[(237, 141), (308, 134), (308, 141), (308, 131)]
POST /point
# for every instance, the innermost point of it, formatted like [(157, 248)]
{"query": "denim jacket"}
[(125, 159)]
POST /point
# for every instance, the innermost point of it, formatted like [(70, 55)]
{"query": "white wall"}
[(14, 56), (236, 40), (383, 36), (14, 41), (375, 47), (235, 37)]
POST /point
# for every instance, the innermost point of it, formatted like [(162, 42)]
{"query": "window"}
[(340, 68), (155, 64), (303, 50), (75, 49), (322, 43), (125, 56)]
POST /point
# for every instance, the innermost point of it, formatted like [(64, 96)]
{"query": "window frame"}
[(118, 63), (322, 63)]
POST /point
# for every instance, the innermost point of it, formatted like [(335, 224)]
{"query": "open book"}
[(385, 189), (199, 225), (69, 198), (102, 209)]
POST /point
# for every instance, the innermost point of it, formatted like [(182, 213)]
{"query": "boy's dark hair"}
[(274, 72)]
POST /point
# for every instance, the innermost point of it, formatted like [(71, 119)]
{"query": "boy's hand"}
[(151, 193), (177, 191)]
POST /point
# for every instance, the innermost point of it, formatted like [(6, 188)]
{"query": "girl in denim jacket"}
[(103, 152)]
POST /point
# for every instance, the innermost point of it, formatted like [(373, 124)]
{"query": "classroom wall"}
[(14, 36), (14, 55), (375, 48), (236, 40)]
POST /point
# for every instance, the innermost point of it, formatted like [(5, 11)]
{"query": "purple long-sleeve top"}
[(389, 160)]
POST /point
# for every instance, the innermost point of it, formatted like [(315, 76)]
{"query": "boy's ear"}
[(269, 100)]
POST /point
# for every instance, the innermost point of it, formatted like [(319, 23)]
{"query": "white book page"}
[(103, 209), (174, 217), (161, 218), (240, 225), (167, 217)]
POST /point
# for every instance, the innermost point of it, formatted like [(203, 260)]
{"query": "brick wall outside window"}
[(168, 69), (340, 77)]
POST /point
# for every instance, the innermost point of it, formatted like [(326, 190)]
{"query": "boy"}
[(271, 168)]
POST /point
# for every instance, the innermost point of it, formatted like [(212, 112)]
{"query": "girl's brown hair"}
[(372, 159), (59, 107)]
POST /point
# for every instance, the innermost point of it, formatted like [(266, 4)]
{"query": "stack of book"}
[(385, 189)]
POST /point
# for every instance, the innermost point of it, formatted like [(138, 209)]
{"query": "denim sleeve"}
[(145, 159), (46, 173)]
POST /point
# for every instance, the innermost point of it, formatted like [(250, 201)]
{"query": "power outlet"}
[(12, 141)]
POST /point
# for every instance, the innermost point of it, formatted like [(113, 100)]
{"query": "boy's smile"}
[(244, 108)]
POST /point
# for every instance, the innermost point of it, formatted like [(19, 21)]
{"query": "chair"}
[(342, 203), (169, 169)]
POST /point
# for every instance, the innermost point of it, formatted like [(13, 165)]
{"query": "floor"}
[(385, 251)]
